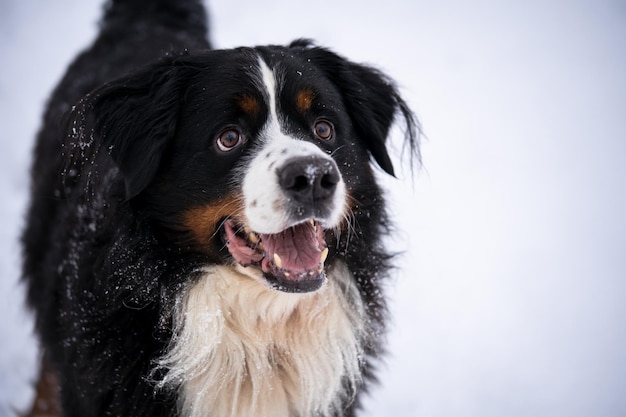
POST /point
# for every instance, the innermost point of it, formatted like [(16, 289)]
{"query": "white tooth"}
[(254, 238), (312, 222), (319, 270), (277, 261), (324, 255), (286, 274)]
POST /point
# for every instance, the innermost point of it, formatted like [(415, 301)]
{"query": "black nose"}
[(310, 179)]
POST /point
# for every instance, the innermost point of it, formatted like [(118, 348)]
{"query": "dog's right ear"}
[(135, 118)]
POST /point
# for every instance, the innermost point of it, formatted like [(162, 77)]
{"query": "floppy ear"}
[(371, 100), (136, 118)]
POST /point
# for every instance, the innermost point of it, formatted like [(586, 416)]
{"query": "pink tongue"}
[(238, 247), (298, 247)]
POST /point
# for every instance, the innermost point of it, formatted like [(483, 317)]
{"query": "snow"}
[(510, 296)]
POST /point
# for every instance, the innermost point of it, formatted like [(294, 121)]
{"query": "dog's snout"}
[(309, 180)]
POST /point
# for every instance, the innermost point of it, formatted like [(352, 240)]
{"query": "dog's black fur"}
[(105, 253)]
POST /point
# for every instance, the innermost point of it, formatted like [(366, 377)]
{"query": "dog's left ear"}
[(135, 118), (371, 99)]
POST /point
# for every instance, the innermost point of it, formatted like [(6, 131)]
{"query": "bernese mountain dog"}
[(204, 232)]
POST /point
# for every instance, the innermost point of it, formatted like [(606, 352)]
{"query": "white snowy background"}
[(511, 296)]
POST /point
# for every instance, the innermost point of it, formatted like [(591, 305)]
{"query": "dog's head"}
[(256, 156)]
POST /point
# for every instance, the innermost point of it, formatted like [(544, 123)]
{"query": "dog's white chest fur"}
[(243, 350)]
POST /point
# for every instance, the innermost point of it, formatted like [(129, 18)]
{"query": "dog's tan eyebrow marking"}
[(250, 105), (304, 99)]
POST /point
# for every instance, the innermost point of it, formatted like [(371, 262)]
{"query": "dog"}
[(204, 235)]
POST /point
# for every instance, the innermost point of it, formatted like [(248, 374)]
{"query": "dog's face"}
[(258, 157)]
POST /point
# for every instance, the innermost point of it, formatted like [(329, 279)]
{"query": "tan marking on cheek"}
[(203, 221), (304, 99), (249, 105)]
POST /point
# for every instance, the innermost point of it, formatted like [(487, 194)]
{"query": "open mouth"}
[(291, 260)]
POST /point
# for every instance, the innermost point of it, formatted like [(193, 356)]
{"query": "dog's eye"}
[(324, 130), (229, 140)]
